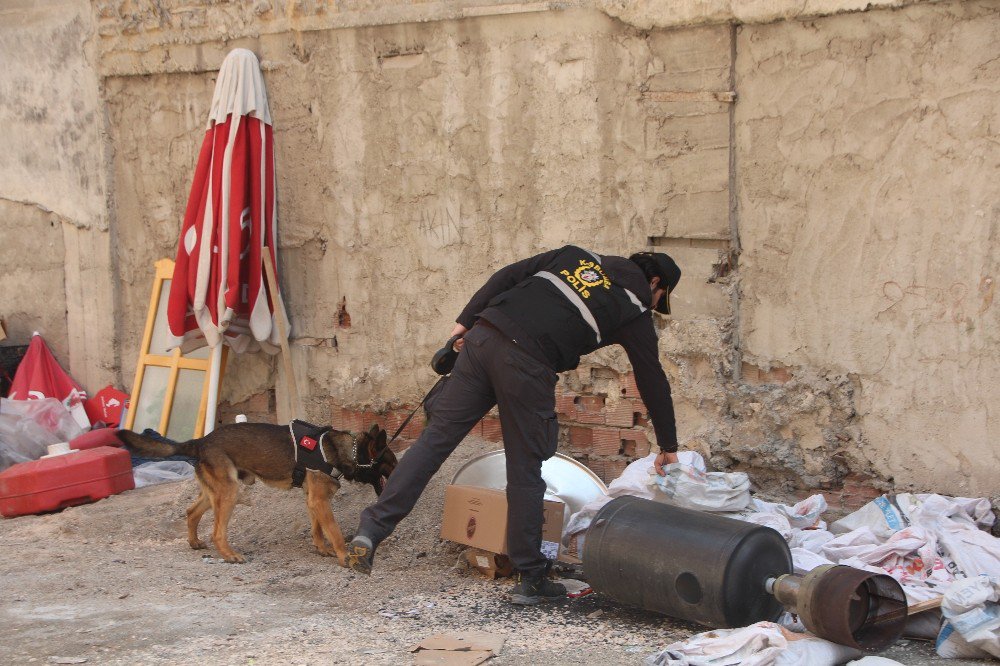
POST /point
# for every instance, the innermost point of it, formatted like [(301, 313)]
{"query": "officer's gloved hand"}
[(444, 359)]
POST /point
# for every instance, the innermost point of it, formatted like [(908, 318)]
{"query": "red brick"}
[(580, 439), (589, 403), (348, 419), (614, 468), (629, 388), (608, 470), (640, 416), (566, 403), (491, 429), (755, 375), (606, 442), (776, 376), (393, 420), (620, 414), (635, 444), (588, 409)]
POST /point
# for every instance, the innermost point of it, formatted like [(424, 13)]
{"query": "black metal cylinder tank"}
[(687, 564)]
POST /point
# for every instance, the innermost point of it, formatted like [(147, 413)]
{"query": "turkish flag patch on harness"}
[(308, 443)]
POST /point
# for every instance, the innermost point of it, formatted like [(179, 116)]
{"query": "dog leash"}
[(408, 418)]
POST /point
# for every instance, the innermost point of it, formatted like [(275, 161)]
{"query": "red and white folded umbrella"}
[(218, 292)]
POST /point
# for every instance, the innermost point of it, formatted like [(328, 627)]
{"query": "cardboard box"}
[(489, 564), (477, 517)]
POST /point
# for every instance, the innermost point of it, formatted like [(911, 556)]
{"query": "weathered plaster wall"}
[(869, 178), (414, 160), (55, 232)]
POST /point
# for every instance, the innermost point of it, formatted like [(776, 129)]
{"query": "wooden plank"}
[(929, 604), (164, 267)]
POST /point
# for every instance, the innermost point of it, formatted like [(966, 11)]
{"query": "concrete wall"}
[(55, 258), (869, 217), (825, 176)]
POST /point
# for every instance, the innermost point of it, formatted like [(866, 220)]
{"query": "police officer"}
[(533, 319)]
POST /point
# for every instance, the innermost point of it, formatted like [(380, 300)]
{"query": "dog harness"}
[(307, 446)]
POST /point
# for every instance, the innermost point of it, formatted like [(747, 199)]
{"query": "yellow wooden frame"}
[(175, 362)]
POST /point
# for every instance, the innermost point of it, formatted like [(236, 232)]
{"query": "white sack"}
[(964, 549), (805, 561), (853, 544), (775, 521), (811, 540), (883, 516), (803, 515), (635, 481), (972, 608), (689, 487), (760, 644)]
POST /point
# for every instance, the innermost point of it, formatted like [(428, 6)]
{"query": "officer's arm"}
[(638, 337), (502, 280)]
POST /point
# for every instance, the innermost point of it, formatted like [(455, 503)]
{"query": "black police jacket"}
[(562, 304)]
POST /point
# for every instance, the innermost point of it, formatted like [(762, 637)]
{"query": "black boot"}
[(534, 588), (360, 555)]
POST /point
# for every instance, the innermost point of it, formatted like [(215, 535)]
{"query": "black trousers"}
[(491, 370)]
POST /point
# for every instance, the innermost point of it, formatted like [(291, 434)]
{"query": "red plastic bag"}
[(40, 376)]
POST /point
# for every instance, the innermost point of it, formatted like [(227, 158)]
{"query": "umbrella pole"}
[(213, 389), (279, 305)]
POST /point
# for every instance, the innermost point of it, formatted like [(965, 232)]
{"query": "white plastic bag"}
[(971, 608), (161, 471), (28, 427)]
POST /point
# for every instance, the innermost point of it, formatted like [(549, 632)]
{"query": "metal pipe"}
[(845, 605)]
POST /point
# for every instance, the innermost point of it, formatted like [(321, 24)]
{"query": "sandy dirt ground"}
[(115, 583)]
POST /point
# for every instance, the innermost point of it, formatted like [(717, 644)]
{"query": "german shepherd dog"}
[(249, 451)]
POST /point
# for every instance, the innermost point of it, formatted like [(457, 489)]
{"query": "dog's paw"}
[(325, 552), (197, 544), (235, 558)]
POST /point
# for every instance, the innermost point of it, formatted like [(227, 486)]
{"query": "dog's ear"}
[(380, 440), (373, 431)]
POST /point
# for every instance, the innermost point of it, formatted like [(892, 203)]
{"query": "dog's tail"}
[(150, 447)]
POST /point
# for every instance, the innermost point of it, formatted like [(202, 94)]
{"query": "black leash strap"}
[(400, 428)]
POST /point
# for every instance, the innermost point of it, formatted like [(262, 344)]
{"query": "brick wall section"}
[(856, 491), (605, 432)]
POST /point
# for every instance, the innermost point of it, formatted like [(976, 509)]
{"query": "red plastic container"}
[(55, 483), (95, 438)]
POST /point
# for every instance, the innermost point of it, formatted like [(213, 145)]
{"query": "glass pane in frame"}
[(161, 333), (151, 398), (187, 404)]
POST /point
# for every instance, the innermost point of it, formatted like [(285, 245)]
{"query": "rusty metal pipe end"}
[(845, 605)]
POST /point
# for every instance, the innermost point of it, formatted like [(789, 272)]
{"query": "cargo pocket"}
[(433, 395), (549, 433)]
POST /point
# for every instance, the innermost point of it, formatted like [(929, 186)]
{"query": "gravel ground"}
[(115, 583)]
